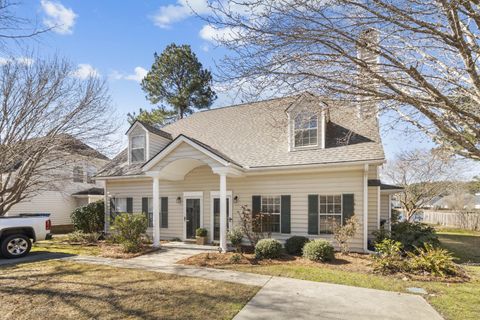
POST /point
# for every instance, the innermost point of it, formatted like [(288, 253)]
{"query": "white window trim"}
[(115, 202), (320, 131), (191, 195), (93, 171), (144, 148), (330, 214), (82, 175), (279, 213), (213, 195)]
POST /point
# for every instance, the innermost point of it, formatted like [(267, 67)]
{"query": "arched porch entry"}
[(175, 161)]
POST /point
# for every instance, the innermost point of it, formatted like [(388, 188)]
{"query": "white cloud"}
[(213, 34), (205, 48), (20, 60), (138, 74), (170, 14), (59, 18), (85, 71)]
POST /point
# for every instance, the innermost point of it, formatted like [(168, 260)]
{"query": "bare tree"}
[(418, 58), (46, 115), (424, 175)]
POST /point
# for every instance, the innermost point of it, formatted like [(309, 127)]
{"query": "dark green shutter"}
[(112, 210), (312, 214), (256, 209), (347, 206), (129, 205), (285, 214), (164, 212), (145, 210)]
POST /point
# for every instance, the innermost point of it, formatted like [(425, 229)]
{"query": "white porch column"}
[(223, 212), (156, 212)]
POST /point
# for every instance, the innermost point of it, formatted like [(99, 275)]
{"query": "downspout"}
[(106, 207), (365, 208), (378, 207)]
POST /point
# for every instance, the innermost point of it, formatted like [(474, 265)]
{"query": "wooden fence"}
[(469, 220)]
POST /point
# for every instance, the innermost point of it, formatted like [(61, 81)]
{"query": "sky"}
[(116, 40)]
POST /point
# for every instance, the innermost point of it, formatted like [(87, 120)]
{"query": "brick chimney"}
[(368, 42)]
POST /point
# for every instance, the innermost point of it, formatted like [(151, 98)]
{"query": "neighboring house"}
[(301, 158), (456, 201), (76, 187)]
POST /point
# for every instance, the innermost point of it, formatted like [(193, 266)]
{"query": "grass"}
[(464, 244), (59, 244), (66, 290)]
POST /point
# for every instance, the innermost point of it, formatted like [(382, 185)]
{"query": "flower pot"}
[(202, 240)]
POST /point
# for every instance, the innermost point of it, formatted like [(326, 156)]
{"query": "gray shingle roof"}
[(255, 135)]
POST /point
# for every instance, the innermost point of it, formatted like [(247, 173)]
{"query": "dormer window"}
[(306, 129), (138, 149)]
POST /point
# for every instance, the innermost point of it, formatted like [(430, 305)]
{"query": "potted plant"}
[(201, 236)]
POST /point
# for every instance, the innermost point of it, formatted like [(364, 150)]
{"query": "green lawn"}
[(59, 244), (455, 301), (66, 290), (464, 244)]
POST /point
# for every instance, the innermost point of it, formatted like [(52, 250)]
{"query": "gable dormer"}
[(306, 123), (145, 141)]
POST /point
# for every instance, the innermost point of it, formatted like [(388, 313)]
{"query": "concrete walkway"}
[(284, 298)]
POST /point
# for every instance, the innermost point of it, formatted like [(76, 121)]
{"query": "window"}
[(77, 174), (138, 149), (91, 171), (120, 204), (306, 130), (270, 209), (330, 210)]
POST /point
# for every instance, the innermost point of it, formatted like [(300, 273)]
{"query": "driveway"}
[(285, 298), (33, 257)]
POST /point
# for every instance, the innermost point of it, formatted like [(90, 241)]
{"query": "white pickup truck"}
[(17, 233)]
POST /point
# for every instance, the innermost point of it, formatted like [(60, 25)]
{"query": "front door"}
[(192, 217), (216, 218)]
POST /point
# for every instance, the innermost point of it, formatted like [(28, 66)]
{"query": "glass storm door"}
[(192, 217), (216, 218)]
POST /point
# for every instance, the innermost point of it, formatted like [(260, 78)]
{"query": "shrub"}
[(389, 256), (129, 229), (413, 234), (235, 258), (342, 234), (89, 218), (432, 260), (318, 250), (294, 245), (84, 238), (235, 236), (268, 249), (201, 232)]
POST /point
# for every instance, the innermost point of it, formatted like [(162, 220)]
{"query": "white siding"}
[(58, 201), (372, 210), (156, 143), (185, 151), (299, 186)]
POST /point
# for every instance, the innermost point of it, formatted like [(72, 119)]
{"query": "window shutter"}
[(145, 210), (285, 214), (347, 206), (312, 214), (256, 208), (112, 209), (129, 205), (164, 212)]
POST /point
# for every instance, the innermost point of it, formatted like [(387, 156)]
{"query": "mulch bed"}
[(116, 251), (353, 262)]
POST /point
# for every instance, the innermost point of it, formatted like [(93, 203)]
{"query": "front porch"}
[(172, 164)]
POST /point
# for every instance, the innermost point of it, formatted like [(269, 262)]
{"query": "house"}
[(455, 201), (307, 162), (76, 186)]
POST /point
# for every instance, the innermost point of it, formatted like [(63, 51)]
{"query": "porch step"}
[(183, 245)]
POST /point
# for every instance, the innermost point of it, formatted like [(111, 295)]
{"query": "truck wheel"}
[(15, 246)]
